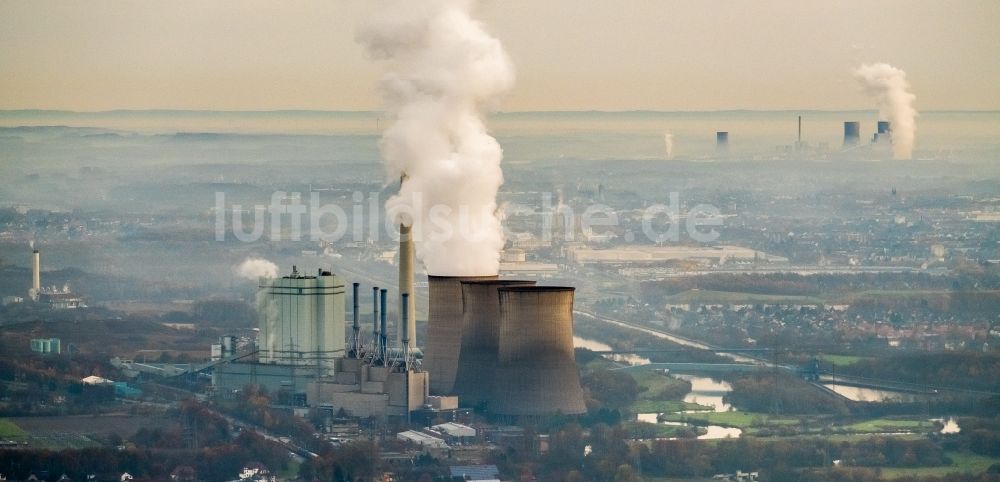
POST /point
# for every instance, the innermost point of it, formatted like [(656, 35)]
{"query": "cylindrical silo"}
[(444, 330), (536, 371), (477, 359)]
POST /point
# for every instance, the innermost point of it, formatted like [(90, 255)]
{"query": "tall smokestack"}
[(798, 144), (477, 360), (406, 261), (852, 133), (444, 330), (536, 370), (36, 271)]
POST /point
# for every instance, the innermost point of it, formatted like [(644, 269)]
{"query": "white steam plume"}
[(254, 268), (443, 71), (668, 143), (895, 103)]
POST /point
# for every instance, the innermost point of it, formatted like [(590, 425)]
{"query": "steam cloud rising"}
[(444, 70), (254, 268), (895, 103)]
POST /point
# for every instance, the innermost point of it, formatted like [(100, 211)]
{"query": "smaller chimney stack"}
[(375, 314), (36, 272), (405, 320), (356, 328), (382, 319)]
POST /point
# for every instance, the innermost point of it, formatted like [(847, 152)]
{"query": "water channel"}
[(704, 391)]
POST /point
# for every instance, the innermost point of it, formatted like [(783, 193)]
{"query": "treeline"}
[(15, 280), (978, 435), (781, 393), (822, 285), (255, 405), (217, 462), (220, 313), (628, 339), (613, 457), (959, 369)]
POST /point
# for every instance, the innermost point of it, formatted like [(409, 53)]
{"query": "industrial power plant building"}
[(505, 345), (301, 320)]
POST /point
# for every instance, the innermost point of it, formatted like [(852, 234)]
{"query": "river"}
[(704, 391)]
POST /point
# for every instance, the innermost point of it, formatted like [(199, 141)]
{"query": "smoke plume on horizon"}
[(888, 85)]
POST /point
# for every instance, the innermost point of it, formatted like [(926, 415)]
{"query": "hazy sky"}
[(569, 54)]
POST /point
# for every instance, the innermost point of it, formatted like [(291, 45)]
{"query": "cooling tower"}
[(883, 132), (36, 271), (477, 359), (722, 141), (852, 133), (444, 330), (536, 371)]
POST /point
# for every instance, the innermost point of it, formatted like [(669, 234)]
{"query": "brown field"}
[(98, 426)]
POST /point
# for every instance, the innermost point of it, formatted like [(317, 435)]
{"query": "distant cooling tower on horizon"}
[(536, 371), (444, 330), (477, 359), (883, 132), (852, 133), (722, 142)]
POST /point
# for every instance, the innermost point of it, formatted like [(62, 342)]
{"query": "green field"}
[(50, 440), (665, 406), (10, 431), (879, 425), (659, 429), (742, 420), (842, 360), (962, 462)]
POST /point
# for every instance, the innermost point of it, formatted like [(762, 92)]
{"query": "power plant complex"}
[(500, 345)]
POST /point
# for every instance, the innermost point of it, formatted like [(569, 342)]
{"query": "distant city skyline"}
[(582, 55)]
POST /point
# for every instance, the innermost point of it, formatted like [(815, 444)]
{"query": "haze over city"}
[(455, 240)]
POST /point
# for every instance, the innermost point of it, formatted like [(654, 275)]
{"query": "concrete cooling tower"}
[(852, 133), (477, 359), (444, 330), (536, 372)]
